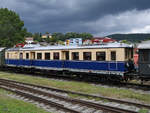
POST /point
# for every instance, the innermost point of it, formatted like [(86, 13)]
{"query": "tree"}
[(125, 41), (12, 29), (85, 36), (58, 36), (48, 39), (46, 32), (37, 37), (72, 35), (78, 35), (28, 34)]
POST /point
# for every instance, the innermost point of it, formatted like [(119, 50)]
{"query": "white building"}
[(29, 40)]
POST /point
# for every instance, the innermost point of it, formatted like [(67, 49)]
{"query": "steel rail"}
[(89, 104), (38, 99), (83, 94)]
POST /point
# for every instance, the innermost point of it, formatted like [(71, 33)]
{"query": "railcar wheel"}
[(142, 81), (126, 79)]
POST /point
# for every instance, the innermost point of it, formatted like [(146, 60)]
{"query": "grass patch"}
[(143, 111), (10, 105), (79, 87)]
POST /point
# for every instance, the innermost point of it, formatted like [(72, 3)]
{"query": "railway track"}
[(135, 86), (59, 96), (57, 76)]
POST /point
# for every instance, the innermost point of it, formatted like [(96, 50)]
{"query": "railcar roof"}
[(2, 48), (62, 47), (144, 45)]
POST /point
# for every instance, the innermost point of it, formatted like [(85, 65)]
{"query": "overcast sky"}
[(99, 17)]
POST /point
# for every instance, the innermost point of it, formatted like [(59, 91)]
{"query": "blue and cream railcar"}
[(106, 59)]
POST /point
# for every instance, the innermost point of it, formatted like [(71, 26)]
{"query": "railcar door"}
[(20, 61), (112, 65), (65, 55), (32, 57)]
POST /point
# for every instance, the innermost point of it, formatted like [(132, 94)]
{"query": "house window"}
[(56, 56), (100, 56), (75, 55), (113, 55), (27, 55), (87, 55), (39, 55), (47, 56)]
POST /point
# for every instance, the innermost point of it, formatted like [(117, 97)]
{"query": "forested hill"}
[(130, 37)]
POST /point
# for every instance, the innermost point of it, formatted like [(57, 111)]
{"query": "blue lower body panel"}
[(38, 63), (18, 62), (80, 65), (95, 65), (51, 63)]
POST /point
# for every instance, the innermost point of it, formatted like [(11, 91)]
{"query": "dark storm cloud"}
[(73, 15)]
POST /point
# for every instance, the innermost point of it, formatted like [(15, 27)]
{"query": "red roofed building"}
[(97, 40), (20, 45)]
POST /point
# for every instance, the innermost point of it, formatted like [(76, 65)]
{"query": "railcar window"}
[(47, 56), (113, 55), (39, 55), (56, 56), (7, 55), (27, 55), (126, 53), (100, 56), (87, 55), (145, 56), (75, 55), (21, 56)]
